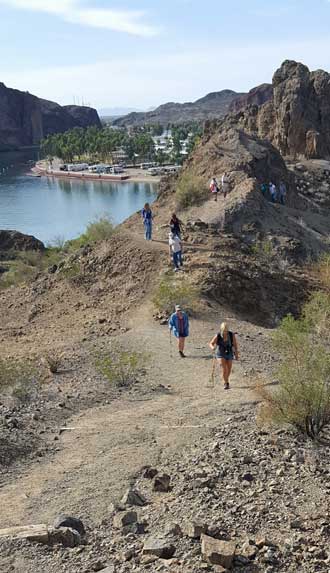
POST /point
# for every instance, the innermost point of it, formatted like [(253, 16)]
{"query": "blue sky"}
[(140, 53)]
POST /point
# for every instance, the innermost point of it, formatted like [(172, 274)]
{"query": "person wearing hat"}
[(179, 325)]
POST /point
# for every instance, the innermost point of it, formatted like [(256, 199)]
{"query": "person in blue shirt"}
[(179, 325), (147, 218)]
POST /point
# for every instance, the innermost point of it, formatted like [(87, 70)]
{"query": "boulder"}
[(68, 521), (162, 483), (194, 529), (42, 534), (218, 552), (125, 518), (15, 241), (159, 547), (133, 497)]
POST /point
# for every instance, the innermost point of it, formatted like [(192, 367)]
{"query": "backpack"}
[(226, 347)]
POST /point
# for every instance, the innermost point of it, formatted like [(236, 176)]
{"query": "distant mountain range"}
[(213, 106)]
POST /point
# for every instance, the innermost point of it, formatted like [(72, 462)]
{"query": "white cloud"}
[(128, 21)]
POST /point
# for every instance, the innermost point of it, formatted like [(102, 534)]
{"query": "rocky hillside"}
[(257, 96), (213, 105), (25, 119), (297, 119)]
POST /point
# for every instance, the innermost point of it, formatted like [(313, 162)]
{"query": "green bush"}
[(302, 398), (18, 379), (191, 190), (24, 266), (99, 230), (263, 249), (174, 290), (122, 368)]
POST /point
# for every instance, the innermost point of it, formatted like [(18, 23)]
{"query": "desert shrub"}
[(58, 242), (99, 230), (302, 398), (172, 290), (25, 266), (263, 249), (122, 368), (53, 361), (191, 190), (71, 272), (18, 379), (321, 271), (18, 273)]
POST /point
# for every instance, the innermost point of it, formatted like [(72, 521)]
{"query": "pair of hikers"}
[(275, 193), (215, 188), (224, 344), (175, 242)]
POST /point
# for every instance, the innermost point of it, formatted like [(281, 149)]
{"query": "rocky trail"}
[(109, 444)]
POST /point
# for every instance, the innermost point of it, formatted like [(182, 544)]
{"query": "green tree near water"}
[(95, 144)]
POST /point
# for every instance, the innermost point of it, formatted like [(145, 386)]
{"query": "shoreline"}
[(133, 175)]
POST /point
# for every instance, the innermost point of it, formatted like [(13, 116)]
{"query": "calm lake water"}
[(57, 208)]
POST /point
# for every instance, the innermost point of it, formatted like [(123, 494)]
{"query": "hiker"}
[(282, 193), (225, 344), (264, 189), (176, 225), (273, 192), (225, 184), (179, 325), (175, 248), (147, 218), (214, 188)]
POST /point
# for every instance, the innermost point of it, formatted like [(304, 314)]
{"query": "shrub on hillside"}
[(122, 368), (172, 290), (191, 190), (99, 230), (24, 266), (302, 398), (18, 379), (53, 361)]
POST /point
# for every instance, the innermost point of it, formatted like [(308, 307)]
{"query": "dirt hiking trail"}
[(108, 445)]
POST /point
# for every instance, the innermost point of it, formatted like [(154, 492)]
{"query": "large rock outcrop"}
[(257, 96), (297, 119), (25, 119), (15, 241)]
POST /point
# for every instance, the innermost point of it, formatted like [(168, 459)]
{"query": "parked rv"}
[(77, 167)]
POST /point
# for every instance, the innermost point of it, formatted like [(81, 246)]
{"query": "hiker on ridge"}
[(179, 325), (214, 188), (225, 184), (175, 247), (273, 192), (225, 344), (282, 193), (176, 226), (264, 189), (147, 218)]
